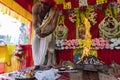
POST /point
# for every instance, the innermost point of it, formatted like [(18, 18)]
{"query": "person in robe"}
[(44, 22)]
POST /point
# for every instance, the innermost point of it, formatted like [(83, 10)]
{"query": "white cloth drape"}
[(39, 49)]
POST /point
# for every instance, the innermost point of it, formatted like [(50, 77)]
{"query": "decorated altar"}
[(91, 24), (103, 16)]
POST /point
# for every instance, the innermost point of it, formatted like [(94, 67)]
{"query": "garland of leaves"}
[(61, 30), (109, 27)]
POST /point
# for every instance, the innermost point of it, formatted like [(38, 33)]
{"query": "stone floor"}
[(83, 75)]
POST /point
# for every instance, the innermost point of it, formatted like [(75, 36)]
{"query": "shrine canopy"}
[(18, 9)]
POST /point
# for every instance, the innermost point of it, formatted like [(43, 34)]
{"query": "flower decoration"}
[(61, 29), (100, 43), (97, 43), (115, 43), (67, 44), (72, 16), (109, 27), (19, 53), (92, 17)]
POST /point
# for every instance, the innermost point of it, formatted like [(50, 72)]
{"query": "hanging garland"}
[(61, 30), (109, 27), (113, 8), (72, 15), (118, 8), (80, 26), (19, 53), (67, 5), (91, 14)]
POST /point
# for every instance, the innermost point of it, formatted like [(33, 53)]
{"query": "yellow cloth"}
[(67, 5), (13, 64), (59, 1), (4, 54)]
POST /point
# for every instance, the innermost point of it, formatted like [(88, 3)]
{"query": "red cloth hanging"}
[(64, 55), (108, 56), (94, 28), (28, 52), (91, 2)]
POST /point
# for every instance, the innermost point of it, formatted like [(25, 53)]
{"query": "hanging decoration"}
[(20, 56), (19, 53), (83, 3), (91, 14), (81, 31), (61, 30), (59, 1), (72, 15), (118, 8), (113, 7), (87, 41), (4, 54), (101, 2), (67, 5), (77, 22), (98, 7), (80, 26), (109, 27), (11, 8)]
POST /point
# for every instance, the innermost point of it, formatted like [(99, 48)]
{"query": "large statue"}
[(44, 22)]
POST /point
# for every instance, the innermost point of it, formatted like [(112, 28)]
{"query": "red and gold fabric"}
[(13, 9)]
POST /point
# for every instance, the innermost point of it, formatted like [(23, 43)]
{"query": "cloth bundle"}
[(47, 74)]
